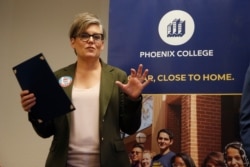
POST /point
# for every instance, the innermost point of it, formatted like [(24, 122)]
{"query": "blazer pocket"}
[(119, 145)]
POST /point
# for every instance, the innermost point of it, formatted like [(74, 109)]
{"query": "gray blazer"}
[(117, 113)]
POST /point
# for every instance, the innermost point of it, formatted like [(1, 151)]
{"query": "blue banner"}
[(188, 46)]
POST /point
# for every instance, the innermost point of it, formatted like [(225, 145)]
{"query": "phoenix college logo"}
[(176, 27)]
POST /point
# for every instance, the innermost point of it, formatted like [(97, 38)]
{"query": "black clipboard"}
[(36, 76)]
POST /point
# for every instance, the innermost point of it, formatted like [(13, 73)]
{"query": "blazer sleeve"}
[(245, 114), (43, 129), (130, 120), (130, 111)]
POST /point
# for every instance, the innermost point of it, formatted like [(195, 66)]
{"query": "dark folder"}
[(36, 76)]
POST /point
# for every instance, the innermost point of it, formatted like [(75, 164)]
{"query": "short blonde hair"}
[(82, 21), (150, 152)]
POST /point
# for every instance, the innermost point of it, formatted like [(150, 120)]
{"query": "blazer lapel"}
[(68, 71), (106, 88)]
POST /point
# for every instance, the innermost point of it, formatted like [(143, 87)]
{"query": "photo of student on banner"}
[(182, 160), (164, 140), (214, 159), (136, 155), (235, 155), (147, 157)]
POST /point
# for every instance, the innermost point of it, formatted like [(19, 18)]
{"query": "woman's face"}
[(211, 163), (91, 48), (146, 159), (164, 141), (178, 162), (233, 158)]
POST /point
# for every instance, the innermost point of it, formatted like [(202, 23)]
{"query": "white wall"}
[(27, 28)]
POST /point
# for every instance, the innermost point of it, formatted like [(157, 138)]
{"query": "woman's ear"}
[(72, 42)]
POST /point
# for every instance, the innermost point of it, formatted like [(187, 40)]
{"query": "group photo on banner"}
[(197, 54)]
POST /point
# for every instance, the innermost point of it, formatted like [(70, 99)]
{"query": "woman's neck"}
[(88, 65), (87, 74)]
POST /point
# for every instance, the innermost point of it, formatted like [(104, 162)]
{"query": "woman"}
[(146, 158), (235, 155), (105, 101), (182, 160), (214, 159)]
